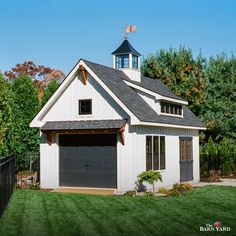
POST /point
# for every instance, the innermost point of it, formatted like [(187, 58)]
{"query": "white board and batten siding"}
[(66, 107), (131, 158)]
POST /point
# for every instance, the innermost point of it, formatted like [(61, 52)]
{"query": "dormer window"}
[(85, 107), (171, 108), (122, 61)]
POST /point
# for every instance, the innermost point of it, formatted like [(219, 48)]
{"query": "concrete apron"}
[(96, 191)]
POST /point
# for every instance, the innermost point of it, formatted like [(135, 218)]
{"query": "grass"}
[(43, 213)]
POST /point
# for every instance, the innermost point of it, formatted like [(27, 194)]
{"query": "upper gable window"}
[(122, 61), (85, 107), (170, 108)]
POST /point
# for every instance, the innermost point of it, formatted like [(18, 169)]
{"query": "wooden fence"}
[(7, 180)]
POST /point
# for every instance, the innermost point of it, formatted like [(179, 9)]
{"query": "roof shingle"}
[(114, 80)]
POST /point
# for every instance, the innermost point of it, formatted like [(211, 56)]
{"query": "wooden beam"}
[(121, 134), (49, 137), (112, 131), (83, 74), (119, 131), (122, 137)]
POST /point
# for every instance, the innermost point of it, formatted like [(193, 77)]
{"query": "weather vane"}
[(129, 29)]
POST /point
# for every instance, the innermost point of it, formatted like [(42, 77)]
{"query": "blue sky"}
[(57, 33)]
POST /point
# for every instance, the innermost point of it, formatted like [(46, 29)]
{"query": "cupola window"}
[(122, 61), (134, 62)]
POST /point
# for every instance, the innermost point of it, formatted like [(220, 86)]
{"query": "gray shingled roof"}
[(83, 125), (156, 86), (114, 80)]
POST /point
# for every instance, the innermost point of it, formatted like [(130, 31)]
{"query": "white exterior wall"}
[(151, 101), (49, 162), (133, 74), (132, 156), (66, 107)]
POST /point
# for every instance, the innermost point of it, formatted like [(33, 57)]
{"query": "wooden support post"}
[(83, 74), (121, 134), (49, 138), (122, 137)]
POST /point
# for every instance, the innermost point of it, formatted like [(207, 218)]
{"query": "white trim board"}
[(156, 95)]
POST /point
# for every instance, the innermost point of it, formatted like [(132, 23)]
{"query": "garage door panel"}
[(88, 166)]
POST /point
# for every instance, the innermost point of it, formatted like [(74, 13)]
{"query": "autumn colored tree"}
[(41, 75), (181, 72), (30, 69)]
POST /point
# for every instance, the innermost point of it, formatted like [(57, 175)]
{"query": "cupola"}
[(127, 59)]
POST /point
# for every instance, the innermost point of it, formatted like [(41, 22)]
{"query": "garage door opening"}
[(88, 160)]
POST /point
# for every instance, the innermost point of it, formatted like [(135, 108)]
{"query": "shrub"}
[(225, 166), (130, 193), (234, 158), (175, 193), (187, 186), (149, 194), (150, 176), (177, 187), (164, 191), (180, 188), (34, 186), (214, 176)]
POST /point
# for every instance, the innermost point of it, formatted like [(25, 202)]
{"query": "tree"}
[(218, 112), (40, 74), (6, 117), (150, 176), (183, 74), (25, 107), (49, 91), (212, 154), (30, 69), (234, 157), (212, 149), (225, 166)]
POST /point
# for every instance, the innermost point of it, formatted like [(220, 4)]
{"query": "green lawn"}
[(43, 213)]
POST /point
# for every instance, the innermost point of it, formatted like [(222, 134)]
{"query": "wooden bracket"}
[(83, 74), (49, 138), (121, 134)]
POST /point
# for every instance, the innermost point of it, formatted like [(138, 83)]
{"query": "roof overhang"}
[(84, 127)]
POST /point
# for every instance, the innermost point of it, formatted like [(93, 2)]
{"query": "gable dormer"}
[(127, 59)]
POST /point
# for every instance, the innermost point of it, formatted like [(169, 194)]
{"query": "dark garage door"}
[(88, 160)]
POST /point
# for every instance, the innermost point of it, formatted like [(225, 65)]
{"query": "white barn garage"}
[(104, 126)]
